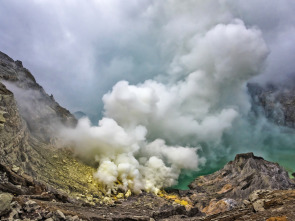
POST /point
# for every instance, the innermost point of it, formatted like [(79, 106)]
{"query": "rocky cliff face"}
[(239, 178), (277, 103), (228, 187), (13, 130), (28, 121), (40, 111)]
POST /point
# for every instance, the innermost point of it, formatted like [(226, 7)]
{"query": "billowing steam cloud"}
[(206, 100), (194, 104), (124, 155)]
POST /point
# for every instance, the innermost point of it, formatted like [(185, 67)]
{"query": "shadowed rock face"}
[(13, 130), (28, 120), (239, 178), (229, 187), (277, 103), (40, 111)]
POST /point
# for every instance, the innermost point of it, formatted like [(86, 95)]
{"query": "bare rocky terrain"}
[(277, 103), (212, 197), (39, 181)]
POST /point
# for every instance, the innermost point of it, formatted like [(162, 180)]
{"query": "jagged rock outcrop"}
[(277, 103), (41, 112), (13, 132), (228, 187), (239, 178), (28, 120)]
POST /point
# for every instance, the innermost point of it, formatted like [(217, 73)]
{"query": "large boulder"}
[(5, 201)]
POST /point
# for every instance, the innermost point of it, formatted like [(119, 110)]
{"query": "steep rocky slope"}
[(277, 103), (239, 178), (28, 121), (230, 186), (40, 111)]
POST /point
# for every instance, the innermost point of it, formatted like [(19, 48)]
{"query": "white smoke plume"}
[(87, 46), (152, 131), (124, 155)]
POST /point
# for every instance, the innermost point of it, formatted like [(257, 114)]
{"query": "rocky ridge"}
[(230, 186), (28, 120), (240, 177), (39, 110)]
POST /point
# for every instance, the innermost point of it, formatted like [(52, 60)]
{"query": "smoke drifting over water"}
[(191, 116)]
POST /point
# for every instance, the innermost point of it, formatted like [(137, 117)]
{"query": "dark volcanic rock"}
[(277, 103), (239, 178), (40, 111), (16, 184), (13, 130), (228, 187), (29, 119)]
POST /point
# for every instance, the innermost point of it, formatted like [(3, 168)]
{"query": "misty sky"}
[(77, 50)]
